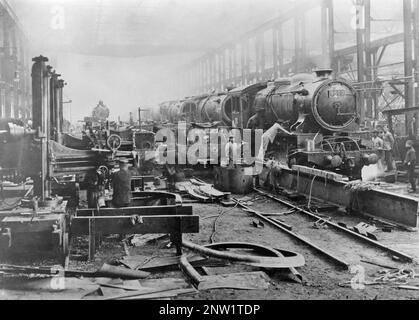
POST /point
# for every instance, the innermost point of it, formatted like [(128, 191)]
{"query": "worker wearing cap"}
[(410, 162), (121, 185), (231, 150)]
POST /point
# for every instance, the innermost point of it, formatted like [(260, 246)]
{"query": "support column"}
[(242, 62), (368, 58), (247, 60), (221, 69), (257, 57), (60, 114), (231, 75), (275, 51), (408, 58), (280, 52), (303, 43), (262, 56), (324, 32), (212, 68), (331, 30), (297, 47), (416, 57), (360, 55), (40, 112), (233, 71)]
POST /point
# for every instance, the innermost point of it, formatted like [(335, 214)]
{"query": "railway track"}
[(339, 245)]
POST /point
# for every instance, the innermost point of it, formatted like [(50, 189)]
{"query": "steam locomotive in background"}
[(309, 119)]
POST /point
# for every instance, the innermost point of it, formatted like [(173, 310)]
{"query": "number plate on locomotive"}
[(336, 93)]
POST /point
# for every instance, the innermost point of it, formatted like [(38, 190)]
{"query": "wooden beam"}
[(143, 211), (146, 225)]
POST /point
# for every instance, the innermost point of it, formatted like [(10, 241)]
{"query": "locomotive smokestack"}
[(323, 73)]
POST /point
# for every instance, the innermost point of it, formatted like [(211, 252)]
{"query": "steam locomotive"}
[(309, 119)]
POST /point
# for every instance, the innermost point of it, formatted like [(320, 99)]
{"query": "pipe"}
[(259, 261), (189, 271)]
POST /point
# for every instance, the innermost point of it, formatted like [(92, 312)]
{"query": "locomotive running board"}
[(386, 205)]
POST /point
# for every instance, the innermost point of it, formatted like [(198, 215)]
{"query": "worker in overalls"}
[(92, 181), (410, 163), (121, 185), (231, 151), (388, 145)]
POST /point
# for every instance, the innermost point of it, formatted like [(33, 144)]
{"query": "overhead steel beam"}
[(135, 50), (385, 41)]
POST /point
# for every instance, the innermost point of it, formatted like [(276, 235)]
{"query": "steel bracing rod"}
[(338, 261), (336, 226)]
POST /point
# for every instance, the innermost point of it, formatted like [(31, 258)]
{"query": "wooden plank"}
[(92, 239), (257, 280), (155, 294), (147, 224), (143, 211)]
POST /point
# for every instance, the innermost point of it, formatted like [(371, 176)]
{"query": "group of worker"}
[(384, 141)]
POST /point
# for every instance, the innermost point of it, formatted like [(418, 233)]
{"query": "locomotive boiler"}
[(217, 108)]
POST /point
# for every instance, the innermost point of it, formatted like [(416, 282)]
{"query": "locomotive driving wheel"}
[(114, 142)]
